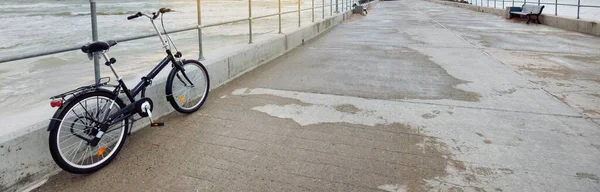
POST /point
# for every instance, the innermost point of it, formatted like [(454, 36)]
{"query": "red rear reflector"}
[(55, 103)]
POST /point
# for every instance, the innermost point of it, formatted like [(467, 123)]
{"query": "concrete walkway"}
[(415, 96)]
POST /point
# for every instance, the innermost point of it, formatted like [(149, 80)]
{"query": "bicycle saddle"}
[(98, 46)]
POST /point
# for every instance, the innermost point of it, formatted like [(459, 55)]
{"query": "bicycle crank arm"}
[(147, 109)]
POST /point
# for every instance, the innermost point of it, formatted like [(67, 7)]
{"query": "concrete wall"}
[(573, 24), (25, 158)]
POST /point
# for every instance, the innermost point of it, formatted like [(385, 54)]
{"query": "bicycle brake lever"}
[(90, 56)]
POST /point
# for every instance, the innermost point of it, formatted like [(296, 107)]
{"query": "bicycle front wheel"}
[(187, 90)]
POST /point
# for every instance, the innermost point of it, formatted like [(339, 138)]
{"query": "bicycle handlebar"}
[(138, 14), (154, 14)]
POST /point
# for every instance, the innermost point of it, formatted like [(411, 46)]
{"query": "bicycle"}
[(92, 122)]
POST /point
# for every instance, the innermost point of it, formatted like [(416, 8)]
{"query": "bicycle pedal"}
[(157, 124)]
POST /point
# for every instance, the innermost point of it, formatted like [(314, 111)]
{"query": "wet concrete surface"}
[(415, 96)]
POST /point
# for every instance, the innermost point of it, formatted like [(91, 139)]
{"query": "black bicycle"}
[(90, 126)]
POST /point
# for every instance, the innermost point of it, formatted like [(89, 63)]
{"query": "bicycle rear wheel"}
[(187, 90), (80, 119)]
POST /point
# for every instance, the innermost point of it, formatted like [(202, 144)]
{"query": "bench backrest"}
[(532, 9)]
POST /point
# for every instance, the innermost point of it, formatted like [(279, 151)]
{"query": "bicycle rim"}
[(81, 120), (190, 96)]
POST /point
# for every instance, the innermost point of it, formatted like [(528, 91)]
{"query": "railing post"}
[(513, 4), (312, 7), (336, 6), (555, 7), (503, 4), (323, 8), (249, 21), (330, 7), (299, 13), (494, 3), (488, 3), (538, 2), (95, 38), (578, 7), (200, 54), (279, 13)]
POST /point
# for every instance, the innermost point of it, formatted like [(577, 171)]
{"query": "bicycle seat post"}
[(109, 63)]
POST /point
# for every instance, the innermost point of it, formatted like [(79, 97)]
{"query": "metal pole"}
[(488, 3), (200, 54), (95, 38), (578, 7), (249, 21), (502, 4), (298, 13), (513, 3), (330, 7), (279, 1), (323, 7), (336, 6), (538, 2), (312, 7), (556, 8), (494, 3)]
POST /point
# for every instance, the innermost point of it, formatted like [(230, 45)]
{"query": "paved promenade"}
[(416, 96)]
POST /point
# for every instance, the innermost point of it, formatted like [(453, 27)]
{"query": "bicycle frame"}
[(130, 109), (146, 80)]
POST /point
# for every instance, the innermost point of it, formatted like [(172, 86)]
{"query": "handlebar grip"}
[(164, 10), (134, 16)]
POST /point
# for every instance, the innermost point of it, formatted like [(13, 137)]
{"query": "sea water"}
[(30, 26)]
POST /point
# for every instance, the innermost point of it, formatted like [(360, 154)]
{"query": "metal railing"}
[(512, 3), (345, 6)]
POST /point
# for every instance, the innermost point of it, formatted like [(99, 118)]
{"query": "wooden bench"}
[(531, 11)]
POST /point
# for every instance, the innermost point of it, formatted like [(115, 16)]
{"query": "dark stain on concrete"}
[(507, 92), (487, 141), (347, 108), (506, 170), (559, 72), (481, 135), (595, 146), (412, 147), (482, 171), (589, 176), (428, 116), (374, 74), (431, 115), (591, 112)]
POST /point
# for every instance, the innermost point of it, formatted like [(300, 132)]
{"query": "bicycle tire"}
[(58, 120), (191, 72)]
